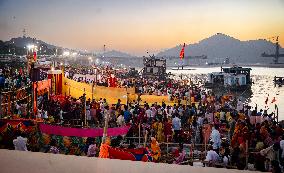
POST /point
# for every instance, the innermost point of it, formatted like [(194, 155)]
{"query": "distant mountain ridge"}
[(221, 46), (217, 48), (24, 41), (115, 53)]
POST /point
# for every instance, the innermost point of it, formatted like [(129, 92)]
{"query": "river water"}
[(262, 88)]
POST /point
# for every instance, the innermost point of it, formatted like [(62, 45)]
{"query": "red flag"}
[(34, 56), (181, 55), (21, 71), (273, 100)]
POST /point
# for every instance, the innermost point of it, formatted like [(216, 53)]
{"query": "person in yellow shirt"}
[(228, 116), (242, 116), (155, 127), (217, 114)]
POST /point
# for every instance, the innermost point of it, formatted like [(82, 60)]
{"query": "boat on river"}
[(234, 78)]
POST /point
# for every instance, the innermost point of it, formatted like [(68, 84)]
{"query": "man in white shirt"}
[(211, 157), (148, 113), (38, 113), (200, 120), (18, 107), (215, 137), (45, 116), (20, 143), (120, 120), (176, 123), (240, 105)]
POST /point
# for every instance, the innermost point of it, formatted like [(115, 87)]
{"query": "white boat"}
[(235, 78), (184, 68)]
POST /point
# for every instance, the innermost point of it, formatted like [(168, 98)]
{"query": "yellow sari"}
[(160, 132)]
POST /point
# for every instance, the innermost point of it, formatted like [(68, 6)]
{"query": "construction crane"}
[(277, 55)]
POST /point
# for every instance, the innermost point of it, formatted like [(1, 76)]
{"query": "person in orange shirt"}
[(156, 151), (104, 148), (242, 116)]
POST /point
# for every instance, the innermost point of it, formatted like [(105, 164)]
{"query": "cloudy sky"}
[(138, 26)]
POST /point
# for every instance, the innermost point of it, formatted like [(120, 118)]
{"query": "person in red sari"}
[(141, 116), (266, 136), (168, 130), (244, 134), (241, 134)]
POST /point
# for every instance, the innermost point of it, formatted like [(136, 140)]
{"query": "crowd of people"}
[(229, 128), (13, 79), (174, 89), (234, 134)]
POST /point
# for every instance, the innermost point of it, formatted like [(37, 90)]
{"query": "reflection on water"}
[(262, 88)]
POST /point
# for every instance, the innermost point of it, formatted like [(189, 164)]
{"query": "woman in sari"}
[(104, 153), (160, 131), (266, 136), (206, 131), (154, 129), (156, 151), (168, 129)]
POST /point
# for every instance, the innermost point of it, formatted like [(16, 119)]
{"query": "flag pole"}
[(277, 112)]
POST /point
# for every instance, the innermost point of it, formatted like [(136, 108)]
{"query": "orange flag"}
[(273, 100)]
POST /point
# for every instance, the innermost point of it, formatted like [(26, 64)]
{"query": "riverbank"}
[(230, 65)]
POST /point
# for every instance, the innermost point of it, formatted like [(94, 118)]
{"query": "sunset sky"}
[(138, 26)]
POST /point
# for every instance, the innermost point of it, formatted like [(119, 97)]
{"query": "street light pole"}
[(85, 114)]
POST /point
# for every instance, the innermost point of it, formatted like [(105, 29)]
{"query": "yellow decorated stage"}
[(77, 89)]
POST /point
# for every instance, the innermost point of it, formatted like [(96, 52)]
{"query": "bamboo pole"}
[(167, 144), (145, 138), (106, 125), (246, 154), (139, 134), (191, 152), (277, 112), (85, 114), (205, 144), (92, 91)]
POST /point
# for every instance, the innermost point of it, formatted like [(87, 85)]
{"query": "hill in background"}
[(220, 46), (216, 48)]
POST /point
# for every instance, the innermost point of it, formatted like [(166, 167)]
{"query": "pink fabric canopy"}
[(81, 132)]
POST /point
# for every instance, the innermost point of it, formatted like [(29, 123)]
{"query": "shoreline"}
[(230, 65)]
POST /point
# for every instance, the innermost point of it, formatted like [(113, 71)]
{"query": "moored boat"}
[(234, 78)]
